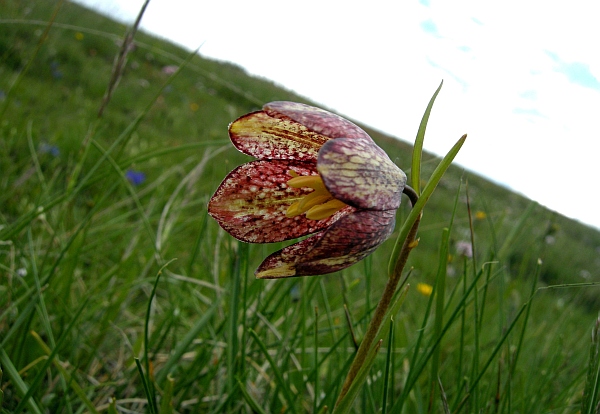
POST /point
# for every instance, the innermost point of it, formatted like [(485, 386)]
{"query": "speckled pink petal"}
[(316, 119), (265, 137), (349, 240), (360, 174), (251, 202)]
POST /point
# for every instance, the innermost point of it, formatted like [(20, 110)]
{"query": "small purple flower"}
[(135, 177), (170, 69), (464, 248)]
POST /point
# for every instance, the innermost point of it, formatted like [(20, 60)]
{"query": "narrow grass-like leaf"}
[(24, 314), (42, 371), (21, 75), (415, 174), (1, 392), (392, 311), (515, 230), (241, 257), (316, 361), (440, 295), (166, 402), (420, 365), (420, 337), (145, 383), (415, 213), (13, 375), (276, 371), (527, 314), (132, 193), (473, 385), (121, 59), (589, 402), (328, 311), (150, 383), (254, 405), (70, 380), (185, 342), (475, 301), (42, 310), (112, 406), (388, 367), (445, 405), (345, 404), (377, 341)]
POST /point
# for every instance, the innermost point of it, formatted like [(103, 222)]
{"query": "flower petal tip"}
[(280, 272)]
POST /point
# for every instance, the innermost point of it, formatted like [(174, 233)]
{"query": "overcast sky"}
[(522, 78)]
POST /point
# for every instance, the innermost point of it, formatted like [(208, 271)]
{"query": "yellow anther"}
[(325, 210), (310, 181), (317, 205), (313, 199)]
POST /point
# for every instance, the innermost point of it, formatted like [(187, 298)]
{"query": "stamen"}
[(325, 210), (319, 204), (310, 181), (313, 199)]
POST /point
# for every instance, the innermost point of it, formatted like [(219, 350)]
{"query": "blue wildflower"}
[(56, 73), (135, 177), (49, 149)]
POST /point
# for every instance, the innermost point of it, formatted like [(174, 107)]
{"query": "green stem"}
[(383, 305)]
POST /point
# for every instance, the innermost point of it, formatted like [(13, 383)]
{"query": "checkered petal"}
[(347, 241), (251, 202), (266, 137), (360, 174), (316, 119)]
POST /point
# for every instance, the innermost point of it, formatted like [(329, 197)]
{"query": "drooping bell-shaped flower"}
[(316, 174)]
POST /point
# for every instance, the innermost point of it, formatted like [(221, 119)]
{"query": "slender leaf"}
[(418, 145)]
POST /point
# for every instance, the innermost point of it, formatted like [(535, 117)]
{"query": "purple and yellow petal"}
[(317, 173), (348, 240), (316, 119), (252, 201), (265, 137), (360, 174)]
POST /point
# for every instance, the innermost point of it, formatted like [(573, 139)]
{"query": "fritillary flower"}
[(316, 174)]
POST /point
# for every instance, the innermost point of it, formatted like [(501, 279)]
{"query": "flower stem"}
[(384, 303), (412, 194)]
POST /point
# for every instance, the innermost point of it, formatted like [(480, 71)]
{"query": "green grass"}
[(96, 272)]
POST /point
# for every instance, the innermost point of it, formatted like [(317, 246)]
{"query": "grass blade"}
[(254, 405), (592, 381), (184, 344), (278, 375), (388, 368), (74, 385), (146, 385), (345, 404), (415, 213), (42, 371), (415, 174), (13, 375)]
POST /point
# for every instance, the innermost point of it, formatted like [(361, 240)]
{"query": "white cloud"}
[(530, 126)]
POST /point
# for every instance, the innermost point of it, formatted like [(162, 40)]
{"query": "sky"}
[(522, 79)]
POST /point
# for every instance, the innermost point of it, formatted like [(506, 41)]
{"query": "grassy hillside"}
[(93, 207)]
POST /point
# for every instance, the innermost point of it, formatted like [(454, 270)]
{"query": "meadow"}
[(119, 294)]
